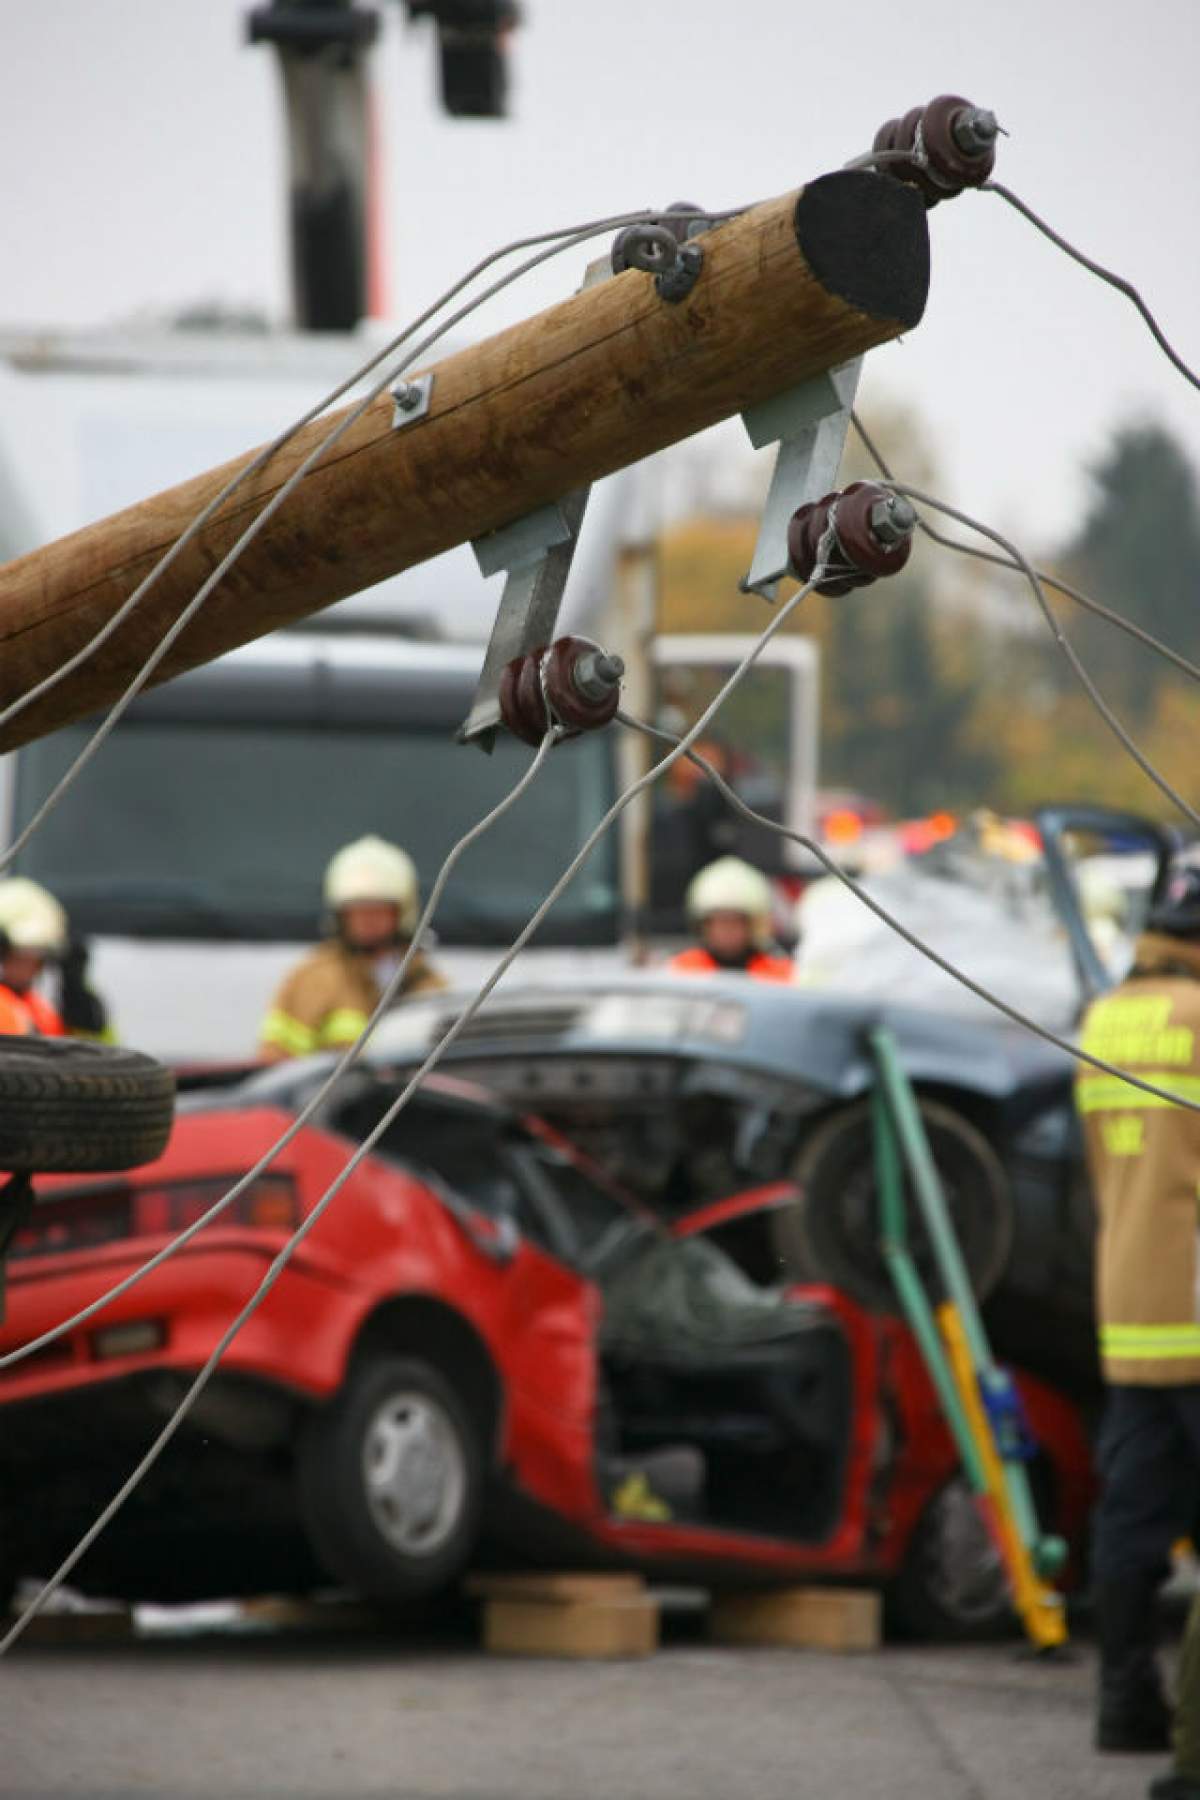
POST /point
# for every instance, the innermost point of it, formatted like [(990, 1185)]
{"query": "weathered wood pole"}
[(792, 287)]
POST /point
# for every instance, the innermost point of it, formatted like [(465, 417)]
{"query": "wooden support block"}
[(109, 1625), (624, 1626), (553, 1586), (804, 1618)]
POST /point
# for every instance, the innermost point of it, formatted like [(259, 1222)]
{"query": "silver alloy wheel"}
[(414, 1472), (961, 1568)]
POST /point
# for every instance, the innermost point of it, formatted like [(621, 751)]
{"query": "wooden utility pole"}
[(788, 289)]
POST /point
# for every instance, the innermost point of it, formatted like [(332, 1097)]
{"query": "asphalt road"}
[(359, 1715)]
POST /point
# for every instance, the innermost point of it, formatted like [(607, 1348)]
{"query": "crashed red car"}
[(435, 1378)]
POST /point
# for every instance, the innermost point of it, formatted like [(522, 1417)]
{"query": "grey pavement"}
[(366, 1716)]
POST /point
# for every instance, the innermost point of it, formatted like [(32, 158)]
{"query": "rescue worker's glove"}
[(82, 1011)]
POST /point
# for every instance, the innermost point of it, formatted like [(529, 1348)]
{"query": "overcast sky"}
[(144, 159)]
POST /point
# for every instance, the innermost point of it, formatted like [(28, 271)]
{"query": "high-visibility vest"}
[(760, 966), (27, 1015), (1144, 1158), (327, 999)]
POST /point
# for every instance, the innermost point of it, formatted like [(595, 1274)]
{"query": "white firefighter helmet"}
[(372, 869), (731, 885), (30, 918)]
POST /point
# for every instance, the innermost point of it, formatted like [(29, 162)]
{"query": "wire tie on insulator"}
[(920, 157), (553, 722), (829, 547)]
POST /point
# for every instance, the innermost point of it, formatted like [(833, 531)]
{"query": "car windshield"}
[(1112, 869), (211, 829), (981, 899)]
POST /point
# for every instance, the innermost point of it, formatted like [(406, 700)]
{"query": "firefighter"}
[(729, 904), (371, 894), (33, 932), (1144, 1159), (35, 936)]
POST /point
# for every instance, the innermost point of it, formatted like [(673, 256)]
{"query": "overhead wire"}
[(1191, 669), (874, 159), (281, 1260), (1067, 649), (805, 842), (1113, 280), (391, 992)]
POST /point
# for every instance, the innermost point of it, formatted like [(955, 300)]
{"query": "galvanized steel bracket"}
[(809, 423), (535, 552)]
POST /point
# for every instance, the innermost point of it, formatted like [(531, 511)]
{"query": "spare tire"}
[(70, 1106), (832, 1232)]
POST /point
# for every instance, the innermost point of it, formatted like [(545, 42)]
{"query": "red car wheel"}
[(391, 1480)]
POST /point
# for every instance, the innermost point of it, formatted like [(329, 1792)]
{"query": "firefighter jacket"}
[(328, 998), (25, 1015), (1144, 1157), (760, 965)]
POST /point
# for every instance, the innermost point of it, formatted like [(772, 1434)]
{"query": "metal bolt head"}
[(597, 673), (407, 396), (975, 130), (892, 520)]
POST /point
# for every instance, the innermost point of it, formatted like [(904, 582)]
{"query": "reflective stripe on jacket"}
[(1144, 1157), (762, 967), (328, 998)]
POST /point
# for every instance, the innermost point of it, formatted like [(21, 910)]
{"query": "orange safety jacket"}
[(27, 1015), (761, 966)]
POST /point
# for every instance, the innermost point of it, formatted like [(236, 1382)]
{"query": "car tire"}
[(952, 1587), (391, 1476), (69, 1106), (832, 1233)]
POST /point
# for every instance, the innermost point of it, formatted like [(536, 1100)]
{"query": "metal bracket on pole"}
[(809, 423), (536, 553)]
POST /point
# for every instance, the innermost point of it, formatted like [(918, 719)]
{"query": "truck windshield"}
[(216, 830)]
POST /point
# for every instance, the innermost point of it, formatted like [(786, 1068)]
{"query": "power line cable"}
[(1110, 276), (1191, 669), (860, 893), (1060, 638), (875, 159), (392, 991)]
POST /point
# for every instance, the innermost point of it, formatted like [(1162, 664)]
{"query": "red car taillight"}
[(76, 1221), (85, 1218), (270, 1203)]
